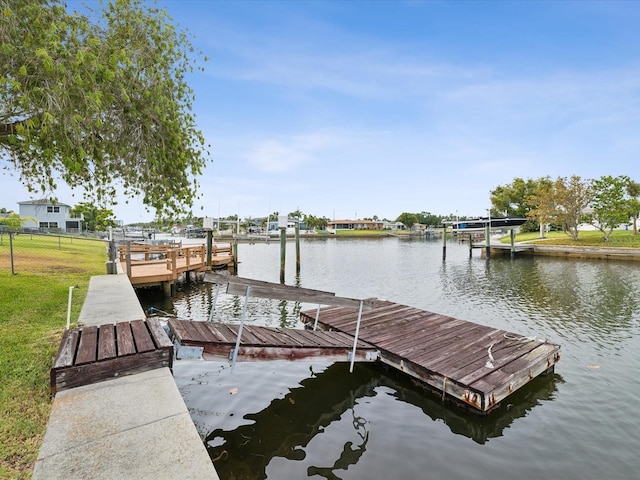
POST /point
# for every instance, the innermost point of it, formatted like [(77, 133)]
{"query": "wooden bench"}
[(92, 354)]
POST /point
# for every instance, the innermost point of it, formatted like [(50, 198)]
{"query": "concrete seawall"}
[(131, 427)]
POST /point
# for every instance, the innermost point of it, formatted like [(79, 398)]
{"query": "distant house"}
[(394, 226), (49, 216), (355, 225)]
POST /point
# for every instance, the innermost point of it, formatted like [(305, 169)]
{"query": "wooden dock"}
[(95, 353), (267, 343), (466, 362), (150, 265)]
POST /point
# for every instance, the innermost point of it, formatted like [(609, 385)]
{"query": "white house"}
[(49, 216)]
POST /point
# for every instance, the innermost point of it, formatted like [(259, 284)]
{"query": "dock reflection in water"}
[(260, 443)]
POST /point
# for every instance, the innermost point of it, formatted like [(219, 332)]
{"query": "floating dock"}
[(267, 343), (466, 362)]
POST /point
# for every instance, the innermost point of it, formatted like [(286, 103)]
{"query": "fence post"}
[(11, 252)]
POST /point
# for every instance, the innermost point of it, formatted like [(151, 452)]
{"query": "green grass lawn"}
[(33, 312), (619, 238)]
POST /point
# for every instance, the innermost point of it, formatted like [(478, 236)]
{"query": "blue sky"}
[(354, 109)]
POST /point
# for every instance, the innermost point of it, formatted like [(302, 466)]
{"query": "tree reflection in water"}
[(287, 425)]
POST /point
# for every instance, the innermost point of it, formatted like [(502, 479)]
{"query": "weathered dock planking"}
[(267, 343), (470, 363), (95, 353)]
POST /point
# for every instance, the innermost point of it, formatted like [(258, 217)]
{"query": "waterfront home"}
[(47, 216)]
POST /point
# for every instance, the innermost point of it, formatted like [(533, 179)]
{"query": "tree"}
[(609, 204), (561, 202), (514, 199), (94, 97), (633, 191), (94, 219), (407, 218), (296, 214), (427, 218)]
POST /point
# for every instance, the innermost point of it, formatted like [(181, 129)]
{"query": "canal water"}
[(282, 420)]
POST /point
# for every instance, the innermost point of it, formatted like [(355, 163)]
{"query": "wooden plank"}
[(124, 339), (215, 331), (88, 373), (205, 333), (67, 349), (294, 294), (64, 359), (160, 337), (141, 336), (106, 342), (248, 336), (87, 348), (223, 279)]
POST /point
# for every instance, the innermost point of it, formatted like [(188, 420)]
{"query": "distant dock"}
[(149, 265)]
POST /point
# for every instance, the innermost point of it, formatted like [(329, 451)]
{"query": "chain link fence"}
[(31, 252)]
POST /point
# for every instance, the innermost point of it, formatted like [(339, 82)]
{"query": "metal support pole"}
[(315, 324), (69, 306), (355, 340), (215, 301), (242, 319)]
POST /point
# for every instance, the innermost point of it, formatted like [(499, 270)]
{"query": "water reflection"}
[(286, 427), (598, 299)]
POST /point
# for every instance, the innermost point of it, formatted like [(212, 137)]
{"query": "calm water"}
[(281, 420)]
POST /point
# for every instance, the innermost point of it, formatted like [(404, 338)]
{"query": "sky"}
[(355, 109)]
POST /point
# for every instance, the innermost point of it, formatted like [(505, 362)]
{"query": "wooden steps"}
[(91, 354)]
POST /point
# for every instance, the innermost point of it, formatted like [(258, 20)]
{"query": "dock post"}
[(513, 243), (129, 259), (234, 253), (470, 246), (487, 239), (283, 252), (209, 246), (444, 242), (298, 247)]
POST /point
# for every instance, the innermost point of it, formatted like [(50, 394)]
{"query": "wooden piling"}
[(298, 246), (512, 235), (487, 239), (444, 242), (283, 252)]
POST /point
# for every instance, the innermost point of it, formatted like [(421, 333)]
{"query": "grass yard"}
[(619, 238), (33, 312)]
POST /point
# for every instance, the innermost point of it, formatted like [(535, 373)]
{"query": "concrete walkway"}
[(132, 427)]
